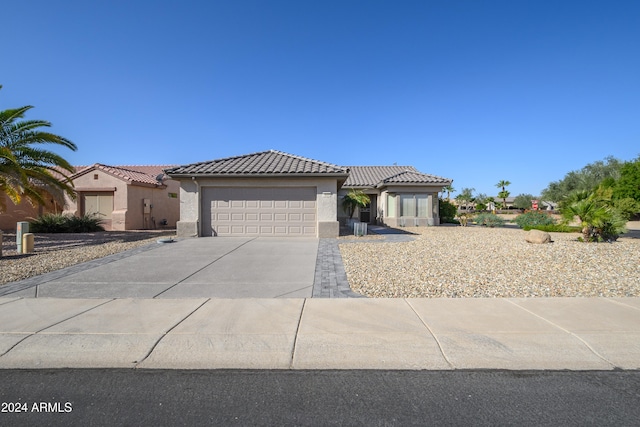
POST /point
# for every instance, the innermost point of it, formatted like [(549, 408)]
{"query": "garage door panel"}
[(278, 211)]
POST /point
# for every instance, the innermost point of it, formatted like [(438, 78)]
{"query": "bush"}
[(489, 220), (58, 223), (553, 228), (447, 211), (534, 218)]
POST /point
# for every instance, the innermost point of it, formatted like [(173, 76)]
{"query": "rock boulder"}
[(538, 237)]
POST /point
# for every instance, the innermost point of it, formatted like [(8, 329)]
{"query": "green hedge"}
[(534, 218), (557, 228)]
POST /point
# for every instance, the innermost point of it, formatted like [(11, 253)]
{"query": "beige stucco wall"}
[(326, 200)]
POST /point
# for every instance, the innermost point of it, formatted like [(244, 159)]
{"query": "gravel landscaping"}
[(55, 251), (454, 262)]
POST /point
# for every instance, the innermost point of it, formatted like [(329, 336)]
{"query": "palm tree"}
[(27, 171), (598, 220), (354, 199), (504, 193), (449, 189)]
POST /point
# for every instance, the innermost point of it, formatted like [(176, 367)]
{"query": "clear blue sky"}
[(475, 91)]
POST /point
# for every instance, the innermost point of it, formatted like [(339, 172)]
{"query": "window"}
[(407, 205), (391, 206), (414, 205), (422, 200)]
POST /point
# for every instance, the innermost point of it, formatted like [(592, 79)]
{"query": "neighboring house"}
[(126, 197), (272, 193), (23, 212)]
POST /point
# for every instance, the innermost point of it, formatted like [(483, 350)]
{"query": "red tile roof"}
[(132, 174)]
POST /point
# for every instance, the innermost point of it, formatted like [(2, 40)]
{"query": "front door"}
[(365, 214)]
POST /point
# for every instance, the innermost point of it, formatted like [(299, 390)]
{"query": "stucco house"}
[(272, 193), (126, 197)]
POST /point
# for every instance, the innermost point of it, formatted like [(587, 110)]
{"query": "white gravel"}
[(55, 251), (452, 262)]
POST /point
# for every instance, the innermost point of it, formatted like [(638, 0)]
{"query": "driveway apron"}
[(216, 267)]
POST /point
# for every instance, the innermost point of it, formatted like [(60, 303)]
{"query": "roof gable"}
[(140, 175), (270, 162), (377, 176)]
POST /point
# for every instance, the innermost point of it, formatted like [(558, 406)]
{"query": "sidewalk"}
[(439, 334)]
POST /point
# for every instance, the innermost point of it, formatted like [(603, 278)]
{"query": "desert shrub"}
[(489, 220), (59, 223), (556, 228), (534, 218), (481, 207), (447, 211)]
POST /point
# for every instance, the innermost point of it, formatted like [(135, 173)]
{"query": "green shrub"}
[(447, 211), (58, 223), (481, 207), (534, 218), (556, 228), (489, 220)]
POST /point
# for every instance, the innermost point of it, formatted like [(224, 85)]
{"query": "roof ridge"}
[(308, 159)]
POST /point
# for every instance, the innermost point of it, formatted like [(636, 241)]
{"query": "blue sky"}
[(475, 91)]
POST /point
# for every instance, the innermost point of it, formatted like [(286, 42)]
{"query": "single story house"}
[(272, 193), (126, 197)]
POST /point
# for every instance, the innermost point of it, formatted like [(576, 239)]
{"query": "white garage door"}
[(272, 211)]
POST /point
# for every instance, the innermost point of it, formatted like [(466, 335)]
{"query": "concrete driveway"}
[(221, 267)]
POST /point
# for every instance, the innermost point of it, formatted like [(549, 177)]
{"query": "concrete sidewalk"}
[(202, 333)]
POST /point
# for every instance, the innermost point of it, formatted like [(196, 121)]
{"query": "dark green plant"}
[(599, 220), (59, 223), (534, 218), (488, 219), (447, 211)]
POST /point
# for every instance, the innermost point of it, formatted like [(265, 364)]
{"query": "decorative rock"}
[(538, 237)]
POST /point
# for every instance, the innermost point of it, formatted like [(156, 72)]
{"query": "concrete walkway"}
[(300, 333)]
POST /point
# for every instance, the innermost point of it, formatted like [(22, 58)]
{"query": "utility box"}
[(146, 205), (27, 243), (21, 229)]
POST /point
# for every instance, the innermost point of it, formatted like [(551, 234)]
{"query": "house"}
[(126, 197), (272, 193), (400, 195)]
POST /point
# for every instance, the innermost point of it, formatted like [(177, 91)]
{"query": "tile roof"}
[(270, 162), (132, 174), (375, 176)]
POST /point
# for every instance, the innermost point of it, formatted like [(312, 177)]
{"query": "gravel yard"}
[(55, 251), (454, 262)]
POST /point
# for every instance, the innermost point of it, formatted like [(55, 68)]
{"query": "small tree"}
[(465, 197), (523, 201), (353, 200)]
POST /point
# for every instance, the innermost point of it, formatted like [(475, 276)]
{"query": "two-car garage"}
[(269, 193), (259, 211)]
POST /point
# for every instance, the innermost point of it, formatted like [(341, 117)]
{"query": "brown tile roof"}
[(270, 162), (376, 176), (145, 175)]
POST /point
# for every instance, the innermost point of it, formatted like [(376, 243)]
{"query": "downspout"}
[(199, 213)]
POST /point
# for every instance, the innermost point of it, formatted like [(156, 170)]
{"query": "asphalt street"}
[(319, 398)]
